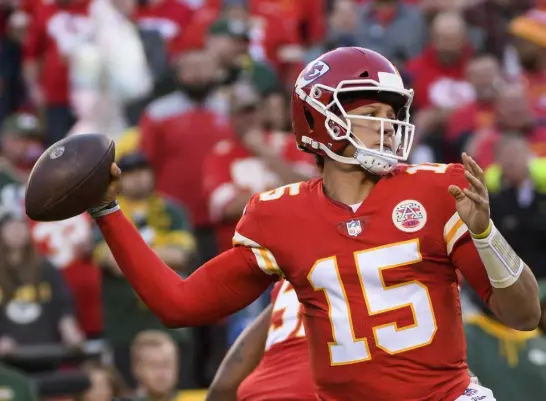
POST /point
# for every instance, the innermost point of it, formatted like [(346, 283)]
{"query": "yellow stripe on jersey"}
[(265, 259), (453, 230)]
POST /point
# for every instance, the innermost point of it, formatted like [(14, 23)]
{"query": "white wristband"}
[(104, 210), (502, 263)]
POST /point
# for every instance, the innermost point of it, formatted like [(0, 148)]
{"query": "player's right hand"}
[(113, 188)]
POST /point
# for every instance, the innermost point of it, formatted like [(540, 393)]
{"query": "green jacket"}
[(16, 387), (509, 362)]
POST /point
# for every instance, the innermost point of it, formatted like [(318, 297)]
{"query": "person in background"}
[(12, 95), (155, 363), (484, 73), (169, 18), (165, 226), (437, 73), (178, 131), (517, 188), (106, 383), (255, 161), (529, 38), (15, 386), (511, 363), (21, 146), (229, 42), (114, 70), (391, 27), (36, 307), (56, 31), (513, 116)]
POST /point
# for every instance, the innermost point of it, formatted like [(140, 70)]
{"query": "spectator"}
[(57, 29), (169, 18), (342, 26), (178, 131), (165, 227), (21, 146), (228, 41), (36, 307), (529, 31), (155, 361), (492, 17), (437, 75), (13, 91), (485, 75), (513, 116), (113, 69), (255, 161), (394, 29), (15, 386), (517, 187), (511, 363), (68, 246), (304, 18), (106, 384)]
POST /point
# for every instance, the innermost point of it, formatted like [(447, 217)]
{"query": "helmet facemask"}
[(338, 122)]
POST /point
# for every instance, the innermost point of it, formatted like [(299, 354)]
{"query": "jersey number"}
[(291, 319), (379, 298)]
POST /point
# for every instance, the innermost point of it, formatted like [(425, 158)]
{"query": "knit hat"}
[(530, 26), (22, 124), (235, 29)]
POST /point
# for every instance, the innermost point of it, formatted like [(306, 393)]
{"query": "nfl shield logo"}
[(354, 228)]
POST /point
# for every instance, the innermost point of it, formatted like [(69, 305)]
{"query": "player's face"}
[(157, 369), (369, 131)]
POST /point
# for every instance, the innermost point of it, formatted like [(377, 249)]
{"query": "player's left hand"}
[(472, 203)]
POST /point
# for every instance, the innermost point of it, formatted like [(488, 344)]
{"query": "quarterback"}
[(373, 248)]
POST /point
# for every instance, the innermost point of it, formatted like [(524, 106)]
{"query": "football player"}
[(270, 359), (372, 248)]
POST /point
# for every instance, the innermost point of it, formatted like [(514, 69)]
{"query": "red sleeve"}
[(34, 43), (460, 248), (222, 286)]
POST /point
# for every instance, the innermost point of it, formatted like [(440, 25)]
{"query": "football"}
[(69, 177)]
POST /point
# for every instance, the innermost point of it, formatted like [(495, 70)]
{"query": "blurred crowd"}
[(196, 95)]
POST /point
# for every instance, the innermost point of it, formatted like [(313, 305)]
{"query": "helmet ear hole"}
[(365, 74), (309, 118)]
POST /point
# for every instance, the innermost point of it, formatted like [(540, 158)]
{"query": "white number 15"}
[(379, 298)]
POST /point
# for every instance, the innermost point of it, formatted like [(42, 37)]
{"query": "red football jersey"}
[(379, 285), (284, 372)]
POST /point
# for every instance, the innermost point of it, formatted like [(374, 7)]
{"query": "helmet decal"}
[(312, 72)]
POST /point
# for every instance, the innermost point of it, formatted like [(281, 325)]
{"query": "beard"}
[(198, 92)]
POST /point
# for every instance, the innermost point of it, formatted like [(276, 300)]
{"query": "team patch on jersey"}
[(409, 216), (354, 228)]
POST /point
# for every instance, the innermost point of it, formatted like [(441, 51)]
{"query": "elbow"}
[(528, 319)]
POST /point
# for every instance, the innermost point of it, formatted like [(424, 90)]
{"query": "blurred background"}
[(195, 94)]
